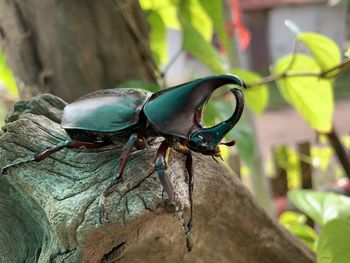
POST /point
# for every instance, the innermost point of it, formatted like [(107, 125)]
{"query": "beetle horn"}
[(177, 110), (205, 140)]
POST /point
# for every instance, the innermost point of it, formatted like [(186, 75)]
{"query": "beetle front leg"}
[(161, 166), (117, 177)]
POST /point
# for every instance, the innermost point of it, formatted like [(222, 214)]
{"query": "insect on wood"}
[(100, 118)]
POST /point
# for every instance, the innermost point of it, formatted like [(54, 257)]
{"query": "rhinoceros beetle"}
[(101, 117)]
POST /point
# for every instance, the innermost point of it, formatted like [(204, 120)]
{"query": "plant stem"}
[(322, 74)]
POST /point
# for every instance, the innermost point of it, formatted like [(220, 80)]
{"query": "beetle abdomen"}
[(110, 110)]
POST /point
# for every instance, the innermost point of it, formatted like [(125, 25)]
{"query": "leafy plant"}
[(296, 224), (332, 212)]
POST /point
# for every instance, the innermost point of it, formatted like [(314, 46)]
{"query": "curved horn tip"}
[(235, 80)]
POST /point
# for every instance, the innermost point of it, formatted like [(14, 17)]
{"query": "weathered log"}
[(49, 210)]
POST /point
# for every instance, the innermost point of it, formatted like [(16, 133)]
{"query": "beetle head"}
[(206, 140)]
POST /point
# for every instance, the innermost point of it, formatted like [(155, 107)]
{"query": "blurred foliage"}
[(288, 159), (296, 224), (6, 76), (332, 212), (305, 81), (320, 206), (137, 84)]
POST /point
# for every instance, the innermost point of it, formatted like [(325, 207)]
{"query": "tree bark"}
[(70, 48), (49, 210)]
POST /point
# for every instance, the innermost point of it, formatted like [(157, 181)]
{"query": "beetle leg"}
[(117, 177), (161, 165), (46, 153), (189, 168)]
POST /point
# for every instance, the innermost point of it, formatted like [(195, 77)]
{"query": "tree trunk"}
[(49, 210), (70, 48)]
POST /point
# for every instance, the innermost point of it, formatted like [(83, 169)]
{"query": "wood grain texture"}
[(49, 210)]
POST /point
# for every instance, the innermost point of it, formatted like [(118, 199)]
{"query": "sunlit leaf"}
[(158, 41), (197, 46), (320, 206), (321, 157), (6, 76), (194, 14), (296, 224), (256, 98), (324, 50), (166, 9), (289, 217), (334, 240), (311, 96)]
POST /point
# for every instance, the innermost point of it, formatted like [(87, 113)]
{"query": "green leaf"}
[(158, 41), (197, 46), (320, 206), (322, 157), (215, 11), (166, 9), (256, 98), (311, 96), (334, 240), (193, 13), (296, 224), (324, 50), (6, 76), (290, 218)]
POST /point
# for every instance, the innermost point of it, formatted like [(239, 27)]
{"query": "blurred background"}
[(293, 143)]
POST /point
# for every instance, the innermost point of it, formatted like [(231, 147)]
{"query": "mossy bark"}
[(49, 210)]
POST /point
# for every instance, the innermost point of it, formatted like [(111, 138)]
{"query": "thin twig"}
[(326, 74)]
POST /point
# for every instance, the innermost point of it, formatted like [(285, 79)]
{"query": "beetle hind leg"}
[(117, 177), (37, 157)]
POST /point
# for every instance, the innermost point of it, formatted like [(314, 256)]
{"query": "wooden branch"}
[(49, 210)]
